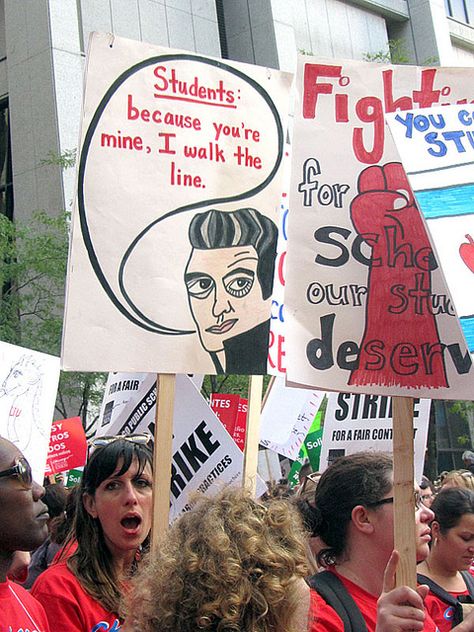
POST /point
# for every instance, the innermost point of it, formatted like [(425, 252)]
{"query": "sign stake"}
[(165, 390), (403, 486)]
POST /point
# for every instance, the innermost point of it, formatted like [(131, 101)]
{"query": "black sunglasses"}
[(22, 470)]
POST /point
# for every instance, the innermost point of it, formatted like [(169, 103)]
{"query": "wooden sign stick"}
[(165, 389), (403, 486), (252, 435)]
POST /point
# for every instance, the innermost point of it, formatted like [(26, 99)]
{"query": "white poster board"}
[(287, 416), (365, 306), (175, 226), (437, 151), (205, 457), (28, 388), (356, 422)]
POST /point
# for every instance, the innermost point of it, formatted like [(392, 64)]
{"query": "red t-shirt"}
[(323, 618), (68, 606), (441, 612), (19, 611)]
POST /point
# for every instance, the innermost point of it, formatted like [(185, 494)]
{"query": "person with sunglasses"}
[(23, 526), (353, 516), (112, 523)]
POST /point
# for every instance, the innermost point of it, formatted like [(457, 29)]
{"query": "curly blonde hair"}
[(228, 565)]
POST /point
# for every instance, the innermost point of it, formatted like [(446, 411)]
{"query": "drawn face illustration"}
[(224, 293)]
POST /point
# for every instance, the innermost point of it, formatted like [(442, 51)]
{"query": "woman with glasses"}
[(353, 515), (113, 519), (447, 568)]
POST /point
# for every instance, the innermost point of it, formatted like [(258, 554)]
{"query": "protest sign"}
[(231, 409), (309, 451), (225, 406), (287, 416), (355, 422), (67, 446), (269, 466), (118, 391), (205, 456), (366, 307), (28, 387), (185, 279), (74, 477), (437, 151)]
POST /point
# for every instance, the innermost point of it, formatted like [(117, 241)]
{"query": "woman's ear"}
[(361, 519), (435, 530), (89, 504)]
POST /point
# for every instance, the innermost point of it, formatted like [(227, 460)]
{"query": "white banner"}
[(356, 422), (366, 306), (175, 226)]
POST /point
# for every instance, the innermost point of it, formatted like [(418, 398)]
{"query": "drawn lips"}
[(222, 329)]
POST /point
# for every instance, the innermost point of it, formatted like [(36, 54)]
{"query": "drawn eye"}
[(200, 287), (239, 286)]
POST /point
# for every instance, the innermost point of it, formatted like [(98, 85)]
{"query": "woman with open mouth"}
[(112, 524)]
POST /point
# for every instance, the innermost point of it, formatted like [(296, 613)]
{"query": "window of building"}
[(6, 176), (462, 10)]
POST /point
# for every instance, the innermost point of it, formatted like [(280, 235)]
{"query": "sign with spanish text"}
[(287, 416), (205, 457), (175, 225), (67, 448), (437, 151), (28, 389), (231, 409), (357, 422), (366, 305)]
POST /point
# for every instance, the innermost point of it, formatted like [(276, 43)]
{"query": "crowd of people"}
[(318, 560)]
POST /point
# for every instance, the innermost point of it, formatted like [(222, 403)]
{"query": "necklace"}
[(36, 626)]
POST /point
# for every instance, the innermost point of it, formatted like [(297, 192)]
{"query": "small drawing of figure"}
[(229, 280)]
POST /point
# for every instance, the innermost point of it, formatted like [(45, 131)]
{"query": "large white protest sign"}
[(356, 422), (287, 416), (28, 387), (367, 309), (175, 226), (205, 457), (437, 151)]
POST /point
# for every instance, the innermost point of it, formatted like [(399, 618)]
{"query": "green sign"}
[(73, 478), (311, 449)]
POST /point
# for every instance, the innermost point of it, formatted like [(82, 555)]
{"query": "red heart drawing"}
[(467, 252)]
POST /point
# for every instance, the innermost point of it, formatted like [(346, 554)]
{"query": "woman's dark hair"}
[(359, 479), (92, 563), (450, 505), (243, 227), (61, 526), (55, 497)]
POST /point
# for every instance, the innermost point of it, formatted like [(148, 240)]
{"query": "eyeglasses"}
[(22, 470), (100, 442), (386, 501), (377, 503)]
